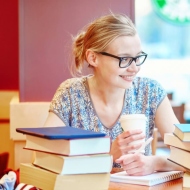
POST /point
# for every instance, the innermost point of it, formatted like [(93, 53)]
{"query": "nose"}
[(133, 67)]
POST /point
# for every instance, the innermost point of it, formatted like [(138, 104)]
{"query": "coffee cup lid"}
[(132, 116)]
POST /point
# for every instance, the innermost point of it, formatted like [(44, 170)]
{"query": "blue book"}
[(66, 140), (60, 132), (182, 131)]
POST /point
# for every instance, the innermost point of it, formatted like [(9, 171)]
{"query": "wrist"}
[(157, 164), (115, 154), (162, 164)]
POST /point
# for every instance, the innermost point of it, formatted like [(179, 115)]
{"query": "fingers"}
[(131, 132), (126, 149), (122, 144), (130, 136), (131, 163), (125, 159), (137, 164), (125, 139)]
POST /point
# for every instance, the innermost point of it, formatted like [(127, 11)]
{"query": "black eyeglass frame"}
[(122, 58)]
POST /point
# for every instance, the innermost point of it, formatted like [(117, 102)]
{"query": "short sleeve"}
[(61, 104), (157, 93)]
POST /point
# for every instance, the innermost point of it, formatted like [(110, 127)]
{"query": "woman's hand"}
[(137, 164), (121, 144)]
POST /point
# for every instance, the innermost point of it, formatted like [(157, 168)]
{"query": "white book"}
[(180, 157), (66, 140), (172, 140), (46, 180), (71, 147), (99, 163), (186, 180), (148, 180)]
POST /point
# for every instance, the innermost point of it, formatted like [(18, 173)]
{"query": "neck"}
[(107, 94)]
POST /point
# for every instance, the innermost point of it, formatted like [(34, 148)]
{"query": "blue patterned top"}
[(72, 104)]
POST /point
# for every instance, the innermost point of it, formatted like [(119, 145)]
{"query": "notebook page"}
[(149, 180)]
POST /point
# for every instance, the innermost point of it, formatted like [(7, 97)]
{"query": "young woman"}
[(112, 48)]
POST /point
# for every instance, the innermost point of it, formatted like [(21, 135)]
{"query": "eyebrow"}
[(128, 55)]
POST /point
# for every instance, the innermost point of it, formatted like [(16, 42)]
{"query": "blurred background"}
[(35, 41), (164, 28)]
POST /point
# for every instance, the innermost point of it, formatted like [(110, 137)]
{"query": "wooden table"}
[(171, 185)]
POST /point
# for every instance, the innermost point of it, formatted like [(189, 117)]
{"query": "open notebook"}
[(148, 180)]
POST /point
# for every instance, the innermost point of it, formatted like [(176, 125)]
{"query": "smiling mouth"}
[(126, 77)]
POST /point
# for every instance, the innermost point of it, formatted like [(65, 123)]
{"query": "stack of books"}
[(179, 142), (67, 158)]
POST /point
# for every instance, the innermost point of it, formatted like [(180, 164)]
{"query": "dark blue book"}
[(65, 132), (182, 131), (67, 141)]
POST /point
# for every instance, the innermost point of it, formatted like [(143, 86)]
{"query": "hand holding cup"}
[(134, 121)]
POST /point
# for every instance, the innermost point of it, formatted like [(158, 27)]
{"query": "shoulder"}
[(70, 88), (72, 83), (145, 83), (148, 87)]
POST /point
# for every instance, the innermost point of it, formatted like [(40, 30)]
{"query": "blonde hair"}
[(98, 35)]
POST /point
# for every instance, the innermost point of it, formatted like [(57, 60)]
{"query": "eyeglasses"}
[(126, 61)]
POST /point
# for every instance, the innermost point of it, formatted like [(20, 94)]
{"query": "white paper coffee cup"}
[(134, 121)]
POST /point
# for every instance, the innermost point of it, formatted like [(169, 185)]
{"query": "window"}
[(164, 38), (164, 29)]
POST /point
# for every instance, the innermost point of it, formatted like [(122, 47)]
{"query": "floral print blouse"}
[(73, 105)]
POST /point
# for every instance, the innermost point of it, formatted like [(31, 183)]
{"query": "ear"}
[(91, 58)]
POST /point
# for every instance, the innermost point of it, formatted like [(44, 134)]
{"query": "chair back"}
[(179, 112), (4, 158), (170, 96)]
